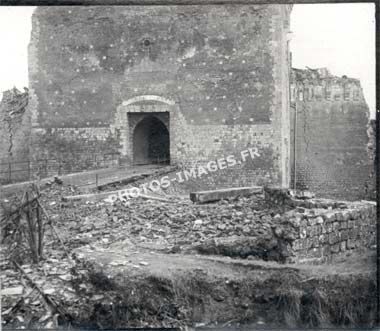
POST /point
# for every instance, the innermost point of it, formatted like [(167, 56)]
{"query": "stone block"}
[(332, 238), (315, 252), (315, 241), (350, 244), (295, 222), (329, 217), (303, 244), (354, 214), (296, 244), (303, 232), (323, 239), (215, 195), (364, 214), (346, 215), (312, 221), (323, 229), (344, 234), (343, 246), (355, 232), (304, 223), (326, 250), (313, 204), (313, 231), (300, 210), (319, 220), (339, 216), (335, 248)]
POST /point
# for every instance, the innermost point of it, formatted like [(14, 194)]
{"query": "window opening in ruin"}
[(346, 93), (151, 142)]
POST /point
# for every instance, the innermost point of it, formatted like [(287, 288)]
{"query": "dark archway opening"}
[(151, 142)]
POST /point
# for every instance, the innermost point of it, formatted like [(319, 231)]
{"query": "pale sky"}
[(340, 37)]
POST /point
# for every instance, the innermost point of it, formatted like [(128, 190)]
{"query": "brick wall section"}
[(332, 156), (225, 70), (371, 193), (326, 228), (75, 149)]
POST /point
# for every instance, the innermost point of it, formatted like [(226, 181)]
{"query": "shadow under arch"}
[(151, 142)]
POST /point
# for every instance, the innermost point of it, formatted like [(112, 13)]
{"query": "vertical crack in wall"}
[(370, 185), (8, 120), (306, 128), (13, 106)]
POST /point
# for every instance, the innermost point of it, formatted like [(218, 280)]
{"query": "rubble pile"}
[(252, 227), (170, 227), (177, 225)]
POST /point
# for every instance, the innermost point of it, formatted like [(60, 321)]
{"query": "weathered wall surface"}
[(324, 228), (326, 233), (332, 155), (371, 187), (221, 72), (15, 131)]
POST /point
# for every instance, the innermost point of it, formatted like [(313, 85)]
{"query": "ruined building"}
[(186, 85), (209, 80), (333, 154), (15, 133)]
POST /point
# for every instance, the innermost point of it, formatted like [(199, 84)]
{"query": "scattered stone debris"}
[(143, 235), (215, 195)]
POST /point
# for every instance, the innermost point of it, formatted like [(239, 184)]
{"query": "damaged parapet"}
[(332, 157), (323, 229), (14, 131)]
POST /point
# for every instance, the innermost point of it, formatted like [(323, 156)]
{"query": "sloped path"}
[(88, 180)]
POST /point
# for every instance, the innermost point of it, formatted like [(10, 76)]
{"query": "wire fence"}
[(33, 169)]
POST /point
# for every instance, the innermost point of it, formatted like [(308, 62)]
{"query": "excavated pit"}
[(151, 288)]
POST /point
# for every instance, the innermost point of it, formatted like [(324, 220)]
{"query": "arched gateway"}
[(151, 141), (143, 123)]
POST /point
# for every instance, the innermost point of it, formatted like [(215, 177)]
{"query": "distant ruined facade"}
[(193, 85), (334, 155), (181, 84)]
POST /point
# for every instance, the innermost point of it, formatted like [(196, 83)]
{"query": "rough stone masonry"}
[(215, 77), (193, 85), (15, 131), (334, 157)]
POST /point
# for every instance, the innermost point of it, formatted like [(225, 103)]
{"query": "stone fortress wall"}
[(220, 72), (333, 153)]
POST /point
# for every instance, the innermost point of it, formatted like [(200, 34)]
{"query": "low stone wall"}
[(324, 227)]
